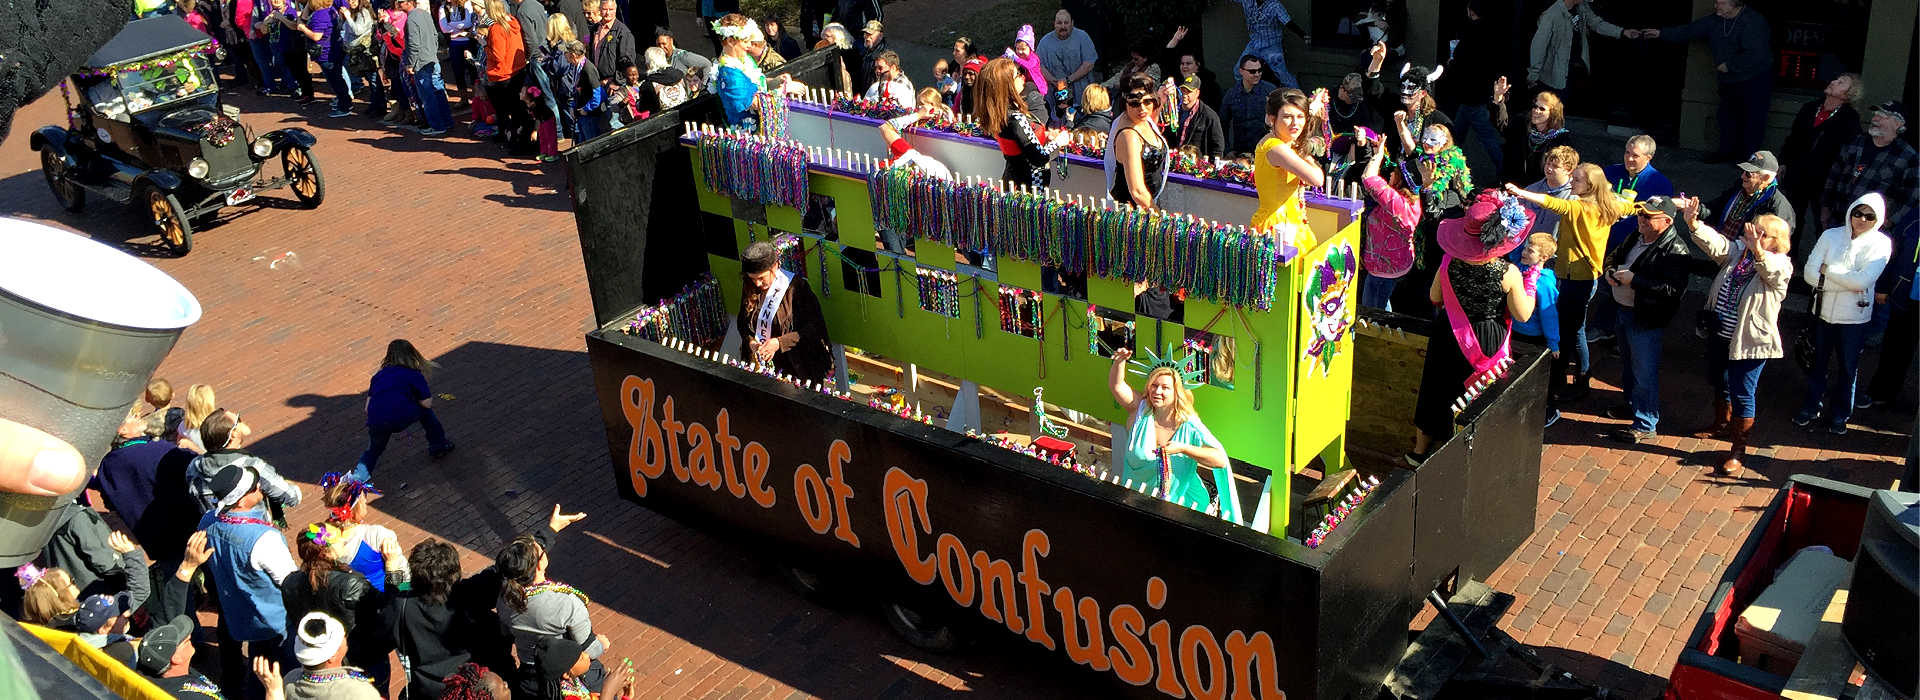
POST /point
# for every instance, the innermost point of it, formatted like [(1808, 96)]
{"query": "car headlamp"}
[(198, 168), (263, 148)]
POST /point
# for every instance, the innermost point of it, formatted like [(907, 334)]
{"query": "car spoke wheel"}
[(60, 179), (303, 176), (170, 221)]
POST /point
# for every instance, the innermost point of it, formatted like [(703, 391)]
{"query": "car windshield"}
[(163, 80)]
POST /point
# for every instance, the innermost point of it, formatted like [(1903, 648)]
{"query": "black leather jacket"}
[(346, 595), (1659, 275)]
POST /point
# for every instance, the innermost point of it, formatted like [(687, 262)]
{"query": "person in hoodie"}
[(225, 433), (1843, 268)]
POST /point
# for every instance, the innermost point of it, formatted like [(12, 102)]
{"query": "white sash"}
[(763, 321)]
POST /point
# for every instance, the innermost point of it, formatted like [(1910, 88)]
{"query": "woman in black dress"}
[(998, 106), (1137, 170), (1137, 153), (1480, 295)]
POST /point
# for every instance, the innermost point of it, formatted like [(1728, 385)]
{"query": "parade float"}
[(1301, 580)]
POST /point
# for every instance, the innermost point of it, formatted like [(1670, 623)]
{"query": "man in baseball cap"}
[(95, 622), (164, 656), (873, 42), (1876, 161), (250, 559), (1757, 193), (1647, 276)]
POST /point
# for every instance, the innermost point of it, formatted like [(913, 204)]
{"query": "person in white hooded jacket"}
[(1842, 268)]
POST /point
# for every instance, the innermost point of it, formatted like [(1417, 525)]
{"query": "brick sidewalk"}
[(475, 260)]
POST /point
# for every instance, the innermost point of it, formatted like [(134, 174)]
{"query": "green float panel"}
[(1110, 293), (853, 212), (784, 218), (933, 254), (1019, 273), (710, 201)]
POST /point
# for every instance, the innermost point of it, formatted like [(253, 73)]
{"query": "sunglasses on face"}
[(1253, 71), (1865, 215)]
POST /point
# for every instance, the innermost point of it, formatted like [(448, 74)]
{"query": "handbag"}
[(1803, 346), (360, 57)]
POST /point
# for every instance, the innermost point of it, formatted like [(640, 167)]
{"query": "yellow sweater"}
[(1583, 237)]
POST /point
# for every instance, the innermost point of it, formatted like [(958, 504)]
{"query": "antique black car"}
[(145, 125)]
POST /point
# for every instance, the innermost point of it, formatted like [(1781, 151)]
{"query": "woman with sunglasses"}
[(1137, 161), (1744, 307), (1280, 169), (1843, 268), (1528, 140)]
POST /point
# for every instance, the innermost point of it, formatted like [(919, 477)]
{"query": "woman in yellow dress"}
[(1279, 170)]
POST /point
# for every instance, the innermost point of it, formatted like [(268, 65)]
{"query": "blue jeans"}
[(1843, 343), (1275, 57), (1377, 292), (271, 70), (340, 83), (433, 97), (1640, 370), (377, 436), (1734, 381), (1572, 305), (460, 61), (1477, 119), (376, 90), (588, 125)]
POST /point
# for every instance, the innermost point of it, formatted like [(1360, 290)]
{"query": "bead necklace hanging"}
[(696, 312), (939, 292), (1226, 263), (754, 168)]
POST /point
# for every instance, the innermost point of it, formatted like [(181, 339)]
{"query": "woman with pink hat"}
[(1480, 295)]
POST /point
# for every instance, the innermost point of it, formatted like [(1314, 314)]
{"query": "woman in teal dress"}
[(1168, 449)]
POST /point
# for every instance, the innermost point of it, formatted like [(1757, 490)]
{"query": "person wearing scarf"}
[(1480, 295), (1743, 304), (1529, 139), (1758, 193), (780, 320)]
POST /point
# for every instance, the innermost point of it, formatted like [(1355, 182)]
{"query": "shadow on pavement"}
[(544, 444)]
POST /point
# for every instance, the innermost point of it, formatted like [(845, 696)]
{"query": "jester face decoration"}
[(1329, 311)]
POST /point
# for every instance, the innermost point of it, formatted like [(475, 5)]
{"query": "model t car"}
[(145, 125)]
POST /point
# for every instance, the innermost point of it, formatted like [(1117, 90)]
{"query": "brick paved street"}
[(475, 260)]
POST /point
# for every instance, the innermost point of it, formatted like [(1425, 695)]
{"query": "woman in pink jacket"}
[(1389, 248)]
